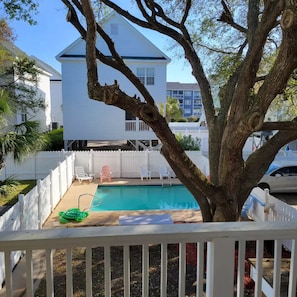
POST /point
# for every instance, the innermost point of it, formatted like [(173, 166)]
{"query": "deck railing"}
[(213, 257)]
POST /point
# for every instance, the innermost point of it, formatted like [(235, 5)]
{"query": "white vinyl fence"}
[(261, 206), (124, 164), (32, 209), (34, 167)]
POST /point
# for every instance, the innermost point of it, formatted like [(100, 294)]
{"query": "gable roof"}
[(15, 52), (130, 43)]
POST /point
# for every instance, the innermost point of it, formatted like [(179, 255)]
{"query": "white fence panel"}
[(254, 206), (63, 178), (10, 220), (110, 158), (55, 188), (45, 204), (33, 209), (83, 160), (156, 160), (34, 167), (44, 161), (19, 170), (29, 210), (132, 161)]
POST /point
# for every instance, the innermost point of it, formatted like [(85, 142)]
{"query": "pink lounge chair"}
[(105, 174)]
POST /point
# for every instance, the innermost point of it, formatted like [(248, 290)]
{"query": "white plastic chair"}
[(80, 174), (144, 173), (164, 172)]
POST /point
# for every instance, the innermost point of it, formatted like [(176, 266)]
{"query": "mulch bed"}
[(117, 273), (136, 271)]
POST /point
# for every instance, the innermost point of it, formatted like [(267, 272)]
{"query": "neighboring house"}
[(56, 114), (189, 97), (48, 87), (86, 119)]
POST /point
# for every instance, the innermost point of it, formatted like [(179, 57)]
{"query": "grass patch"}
[(11, 198)]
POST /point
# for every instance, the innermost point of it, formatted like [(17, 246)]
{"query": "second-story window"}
[(146, 75)]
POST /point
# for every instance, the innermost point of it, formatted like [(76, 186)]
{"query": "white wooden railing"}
[(220, 239), (136, 125)]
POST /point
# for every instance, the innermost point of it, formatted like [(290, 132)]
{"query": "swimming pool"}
[(116, 198)]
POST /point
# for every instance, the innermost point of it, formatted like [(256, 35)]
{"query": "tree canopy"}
[(241, 36)]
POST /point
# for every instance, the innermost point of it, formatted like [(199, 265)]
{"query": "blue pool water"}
[(111, 198)]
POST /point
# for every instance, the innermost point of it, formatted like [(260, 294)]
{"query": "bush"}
[(55, 140), (188, 142)]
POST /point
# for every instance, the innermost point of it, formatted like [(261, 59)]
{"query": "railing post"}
[(220, 267)]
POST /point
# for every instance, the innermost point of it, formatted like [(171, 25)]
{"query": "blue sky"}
[(52, 34)]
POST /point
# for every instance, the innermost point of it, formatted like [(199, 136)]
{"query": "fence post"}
[(60, 180), (220, 267), (52, 190), (91, 162), (22, 207), (39, 204), (120, 162)]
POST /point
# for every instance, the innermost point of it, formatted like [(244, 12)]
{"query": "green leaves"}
[(188, 143), (21, 10)]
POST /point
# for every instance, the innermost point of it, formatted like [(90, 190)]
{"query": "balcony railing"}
[(217, 253), (136, 125)]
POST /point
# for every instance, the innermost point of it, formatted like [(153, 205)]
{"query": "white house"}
[(48, 87), (87, 120), (56, 102)]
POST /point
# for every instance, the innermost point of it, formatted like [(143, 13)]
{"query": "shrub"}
[(55, 140), (188, 142)]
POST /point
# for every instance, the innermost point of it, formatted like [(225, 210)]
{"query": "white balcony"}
[(222, 241)]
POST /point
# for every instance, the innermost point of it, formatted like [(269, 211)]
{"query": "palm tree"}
[(173, 111), (19, 140)]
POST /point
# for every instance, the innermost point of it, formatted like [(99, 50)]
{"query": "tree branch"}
[(226, 17)]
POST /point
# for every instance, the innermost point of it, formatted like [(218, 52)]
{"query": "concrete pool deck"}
[(109, 218)]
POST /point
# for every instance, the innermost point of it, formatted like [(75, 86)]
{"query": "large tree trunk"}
[(244, 101)]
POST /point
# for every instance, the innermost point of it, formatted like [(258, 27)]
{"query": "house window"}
[(188, 102), (114, 29), (150, 76), (146, 75), (24, 117), (188, 93), (141, 74), (197, 94)]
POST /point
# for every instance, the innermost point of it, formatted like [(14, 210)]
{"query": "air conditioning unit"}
[(55, 125)]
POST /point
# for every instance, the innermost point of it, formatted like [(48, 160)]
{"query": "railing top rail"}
[(144, 234)]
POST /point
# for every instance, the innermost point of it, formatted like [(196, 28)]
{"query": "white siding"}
[(86, 119)]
